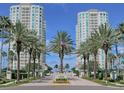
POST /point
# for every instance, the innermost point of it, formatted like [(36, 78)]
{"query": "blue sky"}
[(63, 17)]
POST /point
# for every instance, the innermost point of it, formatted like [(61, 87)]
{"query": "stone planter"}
[(61, 78)]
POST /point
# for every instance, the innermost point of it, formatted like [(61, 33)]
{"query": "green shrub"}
[(111, 80), (45, 72), (14, 75), (77, 72), (4, 81), (121, 81), (91, 75), (100, 81), (100, 76), (119, 77), (61, 79)]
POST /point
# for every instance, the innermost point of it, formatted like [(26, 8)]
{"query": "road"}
[(75, 84)]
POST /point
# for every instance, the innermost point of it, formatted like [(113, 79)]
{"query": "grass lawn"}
[(12, 83), (107, 83)]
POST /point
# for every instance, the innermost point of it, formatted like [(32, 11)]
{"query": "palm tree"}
[(111, 58), (94, 48), (18, 35), (67, 67), (29, 46), (4, 26), (37, 49), (105, 34), (34, 61), (120, 34), (62, 45), (56, 66), (82, 52), (40, 49), (88, 54), (121, 28)]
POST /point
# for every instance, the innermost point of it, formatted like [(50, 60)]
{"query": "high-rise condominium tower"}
[(86, 23), (32, 17)]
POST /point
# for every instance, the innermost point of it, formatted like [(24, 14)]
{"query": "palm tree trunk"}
[(34, 57), (18, 63), (34, 68), (18, 66), (8, 57), (29, 64), (39, 67), (95, 62), (61, 59), (119, 66), (111, 64), (84, 66), (117, 54), (11, 64), (88, 67), (106, 72)]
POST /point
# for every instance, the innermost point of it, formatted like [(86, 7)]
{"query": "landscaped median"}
[(61, 79)]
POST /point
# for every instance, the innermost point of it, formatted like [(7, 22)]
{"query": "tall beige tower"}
[(31, 16), (87, 21)]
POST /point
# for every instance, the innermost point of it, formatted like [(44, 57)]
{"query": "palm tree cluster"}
[(102, 39), (66, 67), (23, 39), (5, 25)]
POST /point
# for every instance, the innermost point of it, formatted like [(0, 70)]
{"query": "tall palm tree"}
[(105, 34), (111, 58), (29, 46), (94, 48), (82, 52), (120, 34), (67, 67), (18, 35), (37, 49), (40, 49), (34, 61), (56, 66), (62, 44), (88, 53), (4, 25)]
